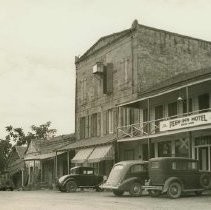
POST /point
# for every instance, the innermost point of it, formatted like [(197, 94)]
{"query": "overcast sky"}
[(40, 38)]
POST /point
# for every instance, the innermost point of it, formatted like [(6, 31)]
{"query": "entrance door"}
[(203, 158)]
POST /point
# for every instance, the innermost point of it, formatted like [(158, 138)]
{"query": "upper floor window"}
[(108, 79), (190, 107), (172, 109), (94, 125), (110, 121), (204, 101), (82, 127)]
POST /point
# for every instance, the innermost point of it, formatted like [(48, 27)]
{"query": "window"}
[(185, 106), (137, 168), (158, 116), (82, 127), (108, 79), (155, 164), (184, 165), (110, 121), (172, 109), (203, 101), (164, 149), (94, 125), (87, 126), (126, 68), (129, 154), (83, 90)]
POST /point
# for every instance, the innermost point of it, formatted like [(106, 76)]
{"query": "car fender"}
[(125, 185), (67, 180), (169, 181)]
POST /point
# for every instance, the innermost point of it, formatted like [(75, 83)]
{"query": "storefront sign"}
[(184, 122)]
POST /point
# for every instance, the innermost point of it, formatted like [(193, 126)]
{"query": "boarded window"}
[(82, 127), (108, 79), (172, 109), (94, 125)]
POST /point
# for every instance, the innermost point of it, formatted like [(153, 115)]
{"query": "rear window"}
[(184, 165), (138, 168), (154, 164)]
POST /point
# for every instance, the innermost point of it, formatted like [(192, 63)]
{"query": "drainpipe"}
[(189, 133), (148, 128)]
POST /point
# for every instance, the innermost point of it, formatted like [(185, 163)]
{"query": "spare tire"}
[(205, 181)]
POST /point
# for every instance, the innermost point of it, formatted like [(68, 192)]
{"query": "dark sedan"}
[(79, 177), (127, 176)]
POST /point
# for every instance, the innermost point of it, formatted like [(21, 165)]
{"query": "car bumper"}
[(109, 187), (149, 187)]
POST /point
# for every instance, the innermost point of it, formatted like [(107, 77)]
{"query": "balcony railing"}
[(144, 129)]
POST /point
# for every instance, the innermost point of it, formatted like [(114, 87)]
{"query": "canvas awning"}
[(104, 152), (43, 156), (82, 155)]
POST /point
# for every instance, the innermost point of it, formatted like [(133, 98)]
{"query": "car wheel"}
[(174, 190), (118, 192), (99, 189), (205, 181), (198, 193), (135, 189), (154, 193), (71, 186)]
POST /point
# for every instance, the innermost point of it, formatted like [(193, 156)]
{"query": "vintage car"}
[(127, 176), (176, 175), (79, 177)]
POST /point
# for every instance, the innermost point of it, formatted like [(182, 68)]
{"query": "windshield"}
[(73, 171)]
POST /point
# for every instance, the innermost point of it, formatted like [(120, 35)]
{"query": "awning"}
[(42, 156), (100, 153), (82, 155)]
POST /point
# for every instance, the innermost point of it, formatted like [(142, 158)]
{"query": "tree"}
[(5, 147), (18, 136)]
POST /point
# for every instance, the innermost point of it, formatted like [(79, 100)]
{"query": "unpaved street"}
[(91, 200)]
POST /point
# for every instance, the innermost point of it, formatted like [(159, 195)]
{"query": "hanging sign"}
[(185, 122)]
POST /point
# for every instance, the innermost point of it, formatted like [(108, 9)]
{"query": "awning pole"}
[(56, 166), (148, 127), (68, 162)]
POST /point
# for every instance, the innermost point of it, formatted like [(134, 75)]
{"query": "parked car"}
[(127, 176), (175, 175), (79, 177)]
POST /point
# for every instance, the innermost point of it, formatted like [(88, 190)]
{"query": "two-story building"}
[(140, 93)]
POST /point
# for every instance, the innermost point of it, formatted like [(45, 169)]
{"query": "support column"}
[(29, 182), (156, 149), (56, 165), (34, 173), (41, 171), (22, 177), (148, 128), (68, 162)]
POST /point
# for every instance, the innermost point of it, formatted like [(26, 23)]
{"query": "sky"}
[(39, 40)]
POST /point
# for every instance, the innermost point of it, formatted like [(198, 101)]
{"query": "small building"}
[(16, 166), (44, 164)]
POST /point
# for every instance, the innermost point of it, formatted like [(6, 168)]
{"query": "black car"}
[(175, 175), (79, 177), (127, 176)]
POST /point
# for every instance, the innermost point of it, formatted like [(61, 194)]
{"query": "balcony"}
[(165, 125)]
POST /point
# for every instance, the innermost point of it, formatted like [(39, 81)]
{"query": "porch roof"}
[(94, 141), (42, 156), (172, 84)]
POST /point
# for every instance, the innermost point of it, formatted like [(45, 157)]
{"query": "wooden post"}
[(34, 173), (56, 166), (22, 177), (148, 128), (68, 162)]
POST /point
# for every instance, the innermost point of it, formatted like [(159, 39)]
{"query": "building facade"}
[(129, 82)]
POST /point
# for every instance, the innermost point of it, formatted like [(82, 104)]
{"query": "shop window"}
[(181, 147), (82, 127), (129, 154), (203, 101), (172, 109), (164, 149)]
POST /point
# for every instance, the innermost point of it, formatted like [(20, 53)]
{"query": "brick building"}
[(132, 87)]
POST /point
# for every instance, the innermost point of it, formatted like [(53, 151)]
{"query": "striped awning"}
[(82, 155), (104, 152)]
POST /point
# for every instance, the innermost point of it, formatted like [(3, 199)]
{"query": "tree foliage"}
[(18, 136), (5, 147)]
